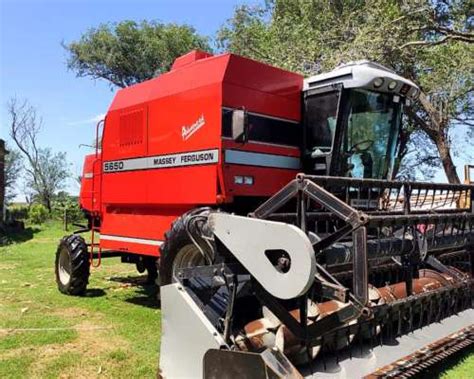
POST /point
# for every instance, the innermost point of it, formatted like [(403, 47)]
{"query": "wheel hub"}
[(188, 256), (64, 269)]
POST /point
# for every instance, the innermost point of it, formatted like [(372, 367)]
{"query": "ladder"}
[(96, 202)]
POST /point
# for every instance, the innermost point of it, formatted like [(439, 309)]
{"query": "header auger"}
[(265, 205)]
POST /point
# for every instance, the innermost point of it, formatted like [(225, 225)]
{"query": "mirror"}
[(239, 125)]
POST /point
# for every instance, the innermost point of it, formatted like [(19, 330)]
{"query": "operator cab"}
[(352, 120)]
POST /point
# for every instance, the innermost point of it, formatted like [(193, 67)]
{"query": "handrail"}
[(96, 206), (101, 122)]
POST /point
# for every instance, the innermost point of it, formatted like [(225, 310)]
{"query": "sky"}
[(33, 62)]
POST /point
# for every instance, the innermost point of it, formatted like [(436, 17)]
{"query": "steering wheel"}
[(361, 146)]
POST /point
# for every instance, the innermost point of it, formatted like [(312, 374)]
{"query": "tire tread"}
[(80, 268)]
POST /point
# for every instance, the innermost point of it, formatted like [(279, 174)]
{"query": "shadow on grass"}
[(144, 291), (17, 236), (94, 292)]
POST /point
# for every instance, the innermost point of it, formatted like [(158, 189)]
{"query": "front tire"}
[(178, 250), (72, 265)]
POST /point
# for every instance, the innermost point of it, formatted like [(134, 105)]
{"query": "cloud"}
[(92, 120)]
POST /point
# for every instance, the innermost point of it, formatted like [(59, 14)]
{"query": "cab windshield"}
[(370, 139)]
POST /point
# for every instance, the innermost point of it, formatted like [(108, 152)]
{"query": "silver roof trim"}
[(361, 74)]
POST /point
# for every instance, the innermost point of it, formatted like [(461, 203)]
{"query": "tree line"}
[(44, 171)]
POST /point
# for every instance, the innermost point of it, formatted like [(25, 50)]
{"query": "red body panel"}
[(90, 184), (163, 152), (267, 180)]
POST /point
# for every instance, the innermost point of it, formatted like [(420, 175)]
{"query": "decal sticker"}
[(193, 158), (188, 131)]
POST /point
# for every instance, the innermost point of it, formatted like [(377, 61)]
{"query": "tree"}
[(430, 42), (13, 168), (128, 52), (419, 158), (46, 171)]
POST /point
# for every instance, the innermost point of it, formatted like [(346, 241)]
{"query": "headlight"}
[(392, 85), (378, 82), (415, 93)]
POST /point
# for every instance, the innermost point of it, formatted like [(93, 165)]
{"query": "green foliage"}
[(315, 36), (38, 214), (13, 168), (63, 203), (128, 52), (18, 212), (49, 177), (46, 171), (429, 42)]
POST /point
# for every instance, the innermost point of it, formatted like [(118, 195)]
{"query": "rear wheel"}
[(150, 265), (72, 265)]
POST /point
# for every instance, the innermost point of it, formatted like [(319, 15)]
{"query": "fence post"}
[(65, 219)]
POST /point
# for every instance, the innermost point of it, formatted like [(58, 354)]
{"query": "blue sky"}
[(32, 61)]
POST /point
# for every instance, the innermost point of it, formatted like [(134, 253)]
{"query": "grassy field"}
[(112, 332)]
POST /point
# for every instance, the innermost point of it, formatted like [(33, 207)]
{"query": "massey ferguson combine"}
[(283, 246)]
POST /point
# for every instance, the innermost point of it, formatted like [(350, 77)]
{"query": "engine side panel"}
[(163, 151)]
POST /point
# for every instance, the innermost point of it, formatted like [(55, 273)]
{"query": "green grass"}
[(112, 332), (461, 367)]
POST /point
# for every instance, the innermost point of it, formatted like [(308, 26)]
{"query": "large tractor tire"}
[(178, 250), (72, 265)]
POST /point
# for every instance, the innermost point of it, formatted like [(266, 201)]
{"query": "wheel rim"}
[(64, 267), (188, 256)]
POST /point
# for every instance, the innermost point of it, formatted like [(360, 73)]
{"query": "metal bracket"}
[(232, 283), (332, 291), (186, 273)]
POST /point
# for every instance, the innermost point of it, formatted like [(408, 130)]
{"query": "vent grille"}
[(131, 128)]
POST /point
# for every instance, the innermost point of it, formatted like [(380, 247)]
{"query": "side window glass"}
[(321, 113), (226, 123), (266, 129)]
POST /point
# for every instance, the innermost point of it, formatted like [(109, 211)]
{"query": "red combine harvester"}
[(264, 205)]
